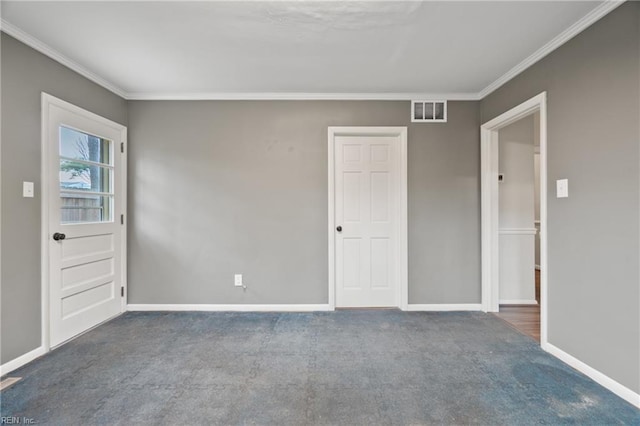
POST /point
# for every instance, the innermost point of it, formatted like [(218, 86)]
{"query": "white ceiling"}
[(181, 49)]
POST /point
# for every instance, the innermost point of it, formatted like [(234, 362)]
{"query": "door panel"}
[(84, 272), (84, 203), (80, 246), (352, 263), (352, 188), (367, 208), (88, 299), (380, 196), (380, 254)]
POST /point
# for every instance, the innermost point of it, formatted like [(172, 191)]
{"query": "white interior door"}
[(367, 212), (84, 204)]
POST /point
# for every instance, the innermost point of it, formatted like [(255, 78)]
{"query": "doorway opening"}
[(514, 164), (518, 220)]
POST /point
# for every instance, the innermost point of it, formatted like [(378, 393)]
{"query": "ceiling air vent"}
[(429, 111)]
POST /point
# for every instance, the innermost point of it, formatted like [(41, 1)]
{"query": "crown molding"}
[(47, 50), (586, 21), (597, 13), (297, 96)]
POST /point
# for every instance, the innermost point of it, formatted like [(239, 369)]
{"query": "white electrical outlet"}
[(237, 280)]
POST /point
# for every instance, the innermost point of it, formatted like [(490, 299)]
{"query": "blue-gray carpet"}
[(345, 367)]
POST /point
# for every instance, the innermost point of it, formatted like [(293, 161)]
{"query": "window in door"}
[(86, 177)]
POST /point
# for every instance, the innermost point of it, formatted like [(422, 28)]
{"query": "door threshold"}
[(371, 308)]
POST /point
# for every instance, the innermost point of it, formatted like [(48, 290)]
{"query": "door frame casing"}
[(47, 101), (402, 279), (490, 205)]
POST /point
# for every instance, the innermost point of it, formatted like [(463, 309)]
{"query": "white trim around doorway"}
[(489, 200), (403, 255)]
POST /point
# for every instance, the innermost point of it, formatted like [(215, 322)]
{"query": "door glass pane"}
[(76, 208), (78, 176), (86, 177), (75, 145)]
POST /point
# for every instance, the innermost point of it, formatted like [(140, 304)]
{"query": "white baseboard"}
[(442, 307), (16, 363), (518, 302), (228, 308), (286, 307), (604, 380)]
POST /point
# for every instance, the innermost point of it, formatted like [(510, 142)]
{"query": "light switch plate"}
[(27, 189), (562, 188), (237, 280)]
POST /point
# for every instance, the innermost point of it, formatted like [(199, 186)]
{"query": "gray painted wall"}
[(593, 87), (516, 198), (218, 188), (25, 74)]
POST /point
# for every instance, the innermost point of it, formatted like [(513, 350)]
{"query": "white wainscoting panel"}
[(517, 265)]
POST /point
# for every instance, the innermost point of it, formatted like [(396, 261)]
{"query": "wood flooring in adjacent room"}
[(525, 318)]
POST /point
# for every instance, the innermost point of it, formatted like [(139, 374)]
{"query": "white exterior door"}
[(367, 219), (84, 200)]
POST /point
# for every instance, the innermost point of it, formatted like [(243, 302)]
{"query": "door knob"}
[(339, 229), (58, 236)]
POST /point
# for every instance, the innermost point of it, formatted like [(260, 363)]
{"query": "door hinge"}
[(122, 147), (121, 291), (121, 219)]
